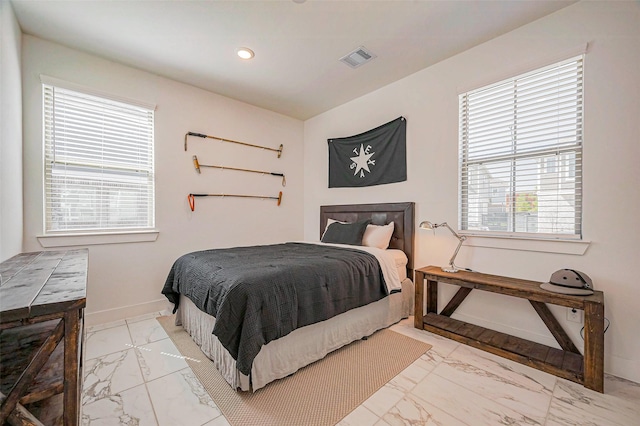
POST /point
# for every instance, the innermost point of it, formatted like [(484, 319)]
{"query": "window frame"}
[(564, 172), (97, 235)]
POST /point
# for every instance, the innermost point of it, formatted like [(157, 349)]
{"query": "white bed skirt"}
[(286, 355)]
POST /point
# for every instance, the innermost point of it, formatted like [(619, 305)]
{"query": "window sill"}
[(574, 247), (66, 240)]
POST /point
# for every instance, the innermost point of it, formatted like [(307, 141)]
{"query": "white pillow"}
[(378, 236), (374, 236)]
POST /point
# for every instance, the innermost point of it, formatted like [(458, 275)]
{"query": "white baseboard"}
[(111, 315), (628, 369)]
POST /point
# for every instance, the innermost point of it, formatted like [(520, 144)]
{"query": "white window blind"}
[(98, 163), (521, 154)]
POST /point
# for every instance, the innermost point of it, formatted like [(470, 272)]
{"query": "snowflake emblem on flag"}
[(362, 161)]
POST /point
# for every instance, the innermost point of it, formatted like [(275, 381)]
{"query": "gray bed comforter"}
[(261, 293)]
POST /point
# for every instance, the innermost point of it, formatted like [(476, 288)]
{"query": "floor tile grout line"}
[(505, 364), (495, 401), (126, 348), (442, 409), (553, 392), (144, 379), (599, 416), (122, 390), (90, 329), (188, 367), (479, 396), (153, 407), (86, 341), (546, 417), (406, 393), (145, 317)]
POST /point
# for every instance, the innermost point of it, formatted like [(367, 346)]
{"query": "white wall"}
[(126, 279), (10, 133), (428, 99)]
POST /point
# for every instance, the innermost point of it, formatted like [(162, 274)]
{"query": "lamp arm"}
[(455, 253), (458, 236), (461, 239)]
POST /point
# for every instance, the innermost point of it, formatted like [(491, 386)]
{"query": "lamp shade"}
[(427, 225)]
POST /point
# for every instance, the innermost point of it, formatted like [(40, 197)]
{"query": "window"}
[(521, 155), (98, 163)]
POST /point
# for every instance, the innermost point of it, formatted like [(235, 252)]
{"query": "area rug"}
[(320, 394)]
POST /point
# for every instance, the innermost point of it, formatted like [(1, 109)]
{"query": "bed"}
[(282, 356)]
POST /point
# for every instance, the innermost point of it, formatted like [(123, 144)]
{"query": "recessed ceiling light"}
[(245, 52)]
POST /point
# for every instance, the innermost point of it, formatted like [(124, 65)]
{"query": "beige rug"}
[(320, 394)]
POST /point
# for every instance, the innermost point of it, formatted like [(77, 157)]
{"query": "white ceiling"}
[(296, 70)]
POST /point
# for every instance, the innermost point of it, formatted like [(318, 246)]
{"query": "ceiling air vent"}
[(358, 57)]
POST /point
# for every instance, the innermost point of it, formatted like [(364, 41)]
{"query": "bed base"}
[(303, 346)]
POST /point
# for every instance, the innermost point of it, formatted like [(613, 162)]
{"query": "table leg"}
[(432, 296), (594, 346), (72, 368), (418, 310)]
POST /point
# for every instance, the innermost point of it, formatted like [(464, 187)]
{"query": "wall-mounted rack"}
[(192, 200), (197, 166), (202, 135)]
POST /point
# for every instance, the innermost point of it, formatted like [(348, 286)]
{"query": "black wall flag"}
[(375, 157)]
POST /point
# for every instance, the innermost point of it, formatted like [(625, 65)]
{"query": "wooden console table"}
[(42, 299), (567, 363)]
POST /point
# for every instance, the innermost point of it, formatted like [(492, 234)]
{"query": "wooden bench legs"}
[(38, 361), (31, 353), (568, 363)]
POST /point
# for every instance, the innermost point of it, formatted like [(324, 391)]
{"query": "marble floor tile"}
[(561, 416), (385, 398), (408, 378), (146, 331), (361, 416), (110, 374), (106, 341), (180, 399), (468, 406), (134, 375), (218, 421), (573, 402), (440, 345), (521, 388), (431, 359), (622, 388), (152, 315), (104, 326), (159, 358), (131, 408), (415, 411)]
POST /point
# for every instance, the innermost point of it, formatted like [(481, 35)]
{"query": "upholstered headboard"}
[(402, 214)]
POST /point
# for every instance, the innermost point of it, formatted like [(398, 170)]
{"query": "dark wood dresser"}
[(42, 300)]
